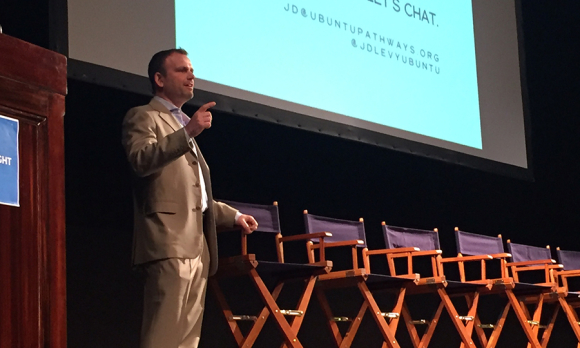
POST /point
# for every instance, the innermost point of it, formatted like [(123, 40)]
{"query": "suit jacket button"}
[(197, 184), (198, 208), (194, 162)]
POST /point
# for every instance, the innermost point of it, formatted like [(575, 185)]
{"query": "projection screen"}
[(439, 78)]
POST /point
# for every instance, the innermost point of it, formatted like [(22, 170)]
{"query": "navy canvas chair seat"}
[(570, 293), (349, 236), (246, 265), (416, 244)]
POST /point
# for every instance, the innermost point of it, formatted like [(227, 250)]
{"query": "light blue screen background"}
[(274, 48)]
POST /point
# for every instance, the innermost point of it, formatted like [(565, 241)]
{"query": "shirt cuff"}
[(238, 214)]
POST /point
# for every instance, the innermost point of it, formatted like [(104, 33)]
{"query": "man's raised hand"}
[(200, 120)]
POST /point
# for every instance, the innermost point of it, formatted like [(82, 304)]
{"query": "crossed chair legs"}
[(387, 322), (529, 322)]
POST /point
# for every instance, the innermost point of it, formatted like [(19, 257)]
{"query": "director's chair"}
[(533, 259), (398, 241), (519, 294), (473, 247), (570, 294), (247, 265), (347, 234)]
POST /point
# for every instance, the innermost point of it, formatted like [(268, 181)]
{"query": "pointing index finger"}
[(206, 106)]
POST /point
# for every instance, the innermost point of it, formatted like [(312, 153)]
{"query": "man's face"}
[(177, 83)]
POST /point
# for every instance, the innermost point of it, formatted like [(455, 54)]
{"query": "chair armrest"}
[(529, 263), (397, 253), (467, 258), (354, 242), (536, 267), (501, 255), (570, 273), (388, 251), (427, 253), (306, 236)]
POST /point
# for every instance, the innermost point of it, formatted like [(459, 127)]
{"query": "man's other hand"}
[(247, 223)]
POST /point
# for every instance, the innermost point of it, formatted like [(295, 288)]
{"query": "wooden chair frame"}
[(436, 282), (247, 265), (569, 300), (387, 322), (506, 285), (548, 294)]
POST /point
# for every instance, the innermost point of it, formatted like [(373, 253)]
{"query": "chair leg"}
[(410, 326), (354, 326), (431, 327), (388, 335), (461, 328), (296, 321), (394, 323), (252, 335), (520, 312), (472, 303), (423, 341), (572, 317), (494, 337), (261, 319), (329, 316), (479, 332), (280, 320), (536, 317), (548, 330), (238, 336)]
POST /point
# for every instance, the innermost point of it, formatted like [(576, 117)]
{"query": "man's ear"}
[(159, 80)]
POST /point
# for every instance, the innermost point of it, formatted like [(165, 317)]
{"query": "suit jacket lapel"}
[(168, 118), (165, 114)]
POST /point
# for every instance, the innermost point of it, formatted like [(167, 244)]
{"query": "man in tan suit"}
[(175, 215)]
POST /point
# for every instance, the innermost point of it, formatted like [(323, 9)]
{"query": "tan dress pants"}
[(174, 301)]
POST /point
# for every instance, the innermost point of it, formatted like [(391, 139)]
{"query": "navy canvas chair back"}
[(426, 243), (532, 258), (472, 248), (570, 273), (401, 237), (522, 252), (569, 259), (266, 215), (476, 244), (268, 222), (342, 230)]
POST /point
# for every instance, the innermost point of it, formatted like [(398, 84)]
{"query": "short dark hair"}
[(157, 64)]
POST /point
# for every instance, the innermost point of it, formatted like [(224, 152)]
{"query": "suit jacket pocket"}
[(160, 207)]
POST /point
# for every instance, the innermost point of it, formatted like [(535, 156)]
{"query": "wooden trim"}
[(32, 64)]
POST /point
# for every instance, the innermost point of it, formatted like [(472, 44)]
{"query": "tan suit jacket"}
[(167, 193)]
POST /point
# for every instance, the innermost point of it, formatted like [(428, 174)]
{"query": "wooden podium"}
[(32, 236)]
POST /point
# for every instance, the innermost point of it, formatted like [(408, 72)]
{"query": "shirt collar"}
[(166, 103)]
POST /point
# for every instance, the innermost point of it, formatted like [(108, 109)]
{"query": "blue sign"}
[(9, 166)]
